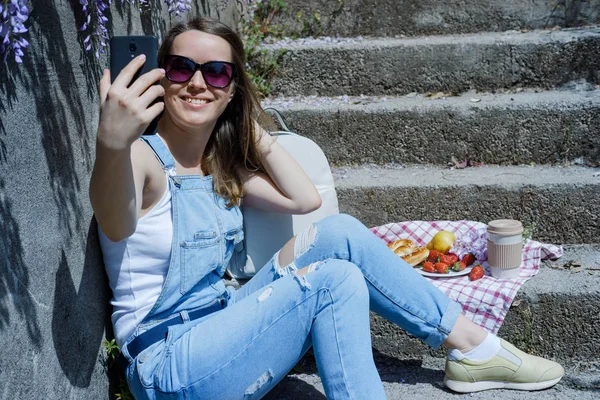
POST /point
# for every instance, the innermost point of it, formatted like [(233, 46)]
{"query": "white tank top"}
[(137, 267)]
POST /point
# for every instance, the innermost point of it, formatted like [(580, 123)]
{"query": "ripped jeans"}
[(242, 351)]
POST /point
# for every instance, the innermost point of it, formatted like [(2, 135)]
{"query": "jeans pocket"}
[(198, 257), (147, 362)]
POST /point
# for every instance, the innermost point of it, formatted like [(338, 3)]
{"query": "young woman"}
[(169, 218)]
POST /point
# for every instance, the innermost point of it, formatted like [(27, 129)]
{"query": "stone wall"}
[(54, 311)]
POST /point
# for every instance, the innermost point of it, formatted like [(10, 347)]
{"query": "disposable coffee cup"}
[(505, 247)]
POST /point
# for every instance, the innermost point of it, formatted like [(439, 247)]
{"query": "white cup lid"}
[(505, 227)]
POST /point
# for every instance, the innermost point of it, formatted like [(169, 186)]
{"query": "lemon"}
[(442, 241)]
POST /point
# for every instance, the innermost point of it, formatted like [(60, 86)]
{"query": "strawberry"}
[(434, 256), (444, 258), (441, 268), (458, 266), (476, 273), (428, 266), (449, 258), (454, 257), (468, 259)]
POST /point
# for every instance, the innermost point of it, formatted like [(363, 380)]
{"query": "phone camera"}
[(132, 47)]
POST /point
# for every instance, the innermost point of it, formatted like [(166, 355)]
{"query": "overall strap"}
[(161, 152)]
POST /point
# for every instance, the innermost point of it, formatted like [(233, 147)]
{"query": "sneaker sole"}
[(468, 387)]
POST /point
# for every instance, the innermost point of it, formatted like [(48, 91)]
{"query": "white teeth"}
[(196, 101)]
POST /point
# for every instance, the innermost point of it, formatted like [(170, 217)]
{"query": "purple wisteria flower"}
[(93, 12), (472, 241), (13, 14), (95, 19), (178, 6)]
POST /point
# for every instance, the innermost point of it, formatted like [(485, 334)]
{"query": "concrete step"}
[(555, 315), (427, 17), (454, 63), (559, 204), (504, 128)]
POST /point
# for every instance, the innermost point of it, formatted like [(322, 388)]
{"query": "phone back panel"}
[(123, 49)]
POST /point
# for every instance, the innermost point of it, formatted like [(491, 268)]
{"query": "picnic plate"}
[(450, 274)]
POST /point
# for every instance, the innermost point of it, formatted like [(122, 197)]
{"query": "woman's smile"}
[(194, 104)]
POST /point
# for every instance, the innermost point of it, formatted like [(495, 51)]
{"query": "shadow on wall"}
[(568, 13), (151, 18), (65, 136), (48, 76), (14, 277), (64, 88), (79, 316), (49, 73), (8, 96)]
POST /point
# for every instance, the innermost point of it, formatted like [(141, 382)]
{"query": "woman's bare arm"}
[(285, 188), (116, 188), (119, 173)]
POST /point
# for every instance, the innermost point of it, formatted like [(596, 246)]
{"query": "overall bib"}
[(205, 232)]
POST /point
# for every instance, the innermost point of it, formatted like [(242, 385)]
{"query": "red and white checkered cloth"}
[(485, 301)]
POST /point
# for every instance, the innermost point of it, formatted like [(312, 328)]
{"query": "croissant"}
[(409, 251), (402, 247)]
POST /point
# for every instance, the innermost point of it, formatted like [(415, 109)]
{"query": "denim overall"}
[(205, 232)]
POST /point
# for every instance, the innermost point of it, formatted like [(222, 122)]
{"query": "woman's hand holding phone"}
[(126, 111)]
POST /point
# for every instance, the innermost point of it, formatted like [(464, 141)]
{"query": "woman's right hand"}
[(121, 168), (125, 111)]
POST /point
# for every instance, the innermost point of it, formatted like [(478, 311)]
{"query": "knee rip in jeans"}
[(302, 279), (302, 243), (292, 269), (255, 387)]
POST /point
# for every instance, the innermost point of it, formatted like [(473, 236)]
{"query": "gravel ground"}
[(415, 380), (300, 387)]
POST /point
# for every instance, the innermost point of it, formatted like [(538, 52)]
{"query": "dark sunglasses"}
[(217, 74)]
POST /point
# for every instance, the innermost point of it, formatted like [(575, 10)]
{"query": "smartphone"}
[(123, 49)]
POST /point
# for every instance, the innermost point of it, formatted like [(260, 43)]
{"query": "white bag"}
[(266, 232)]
